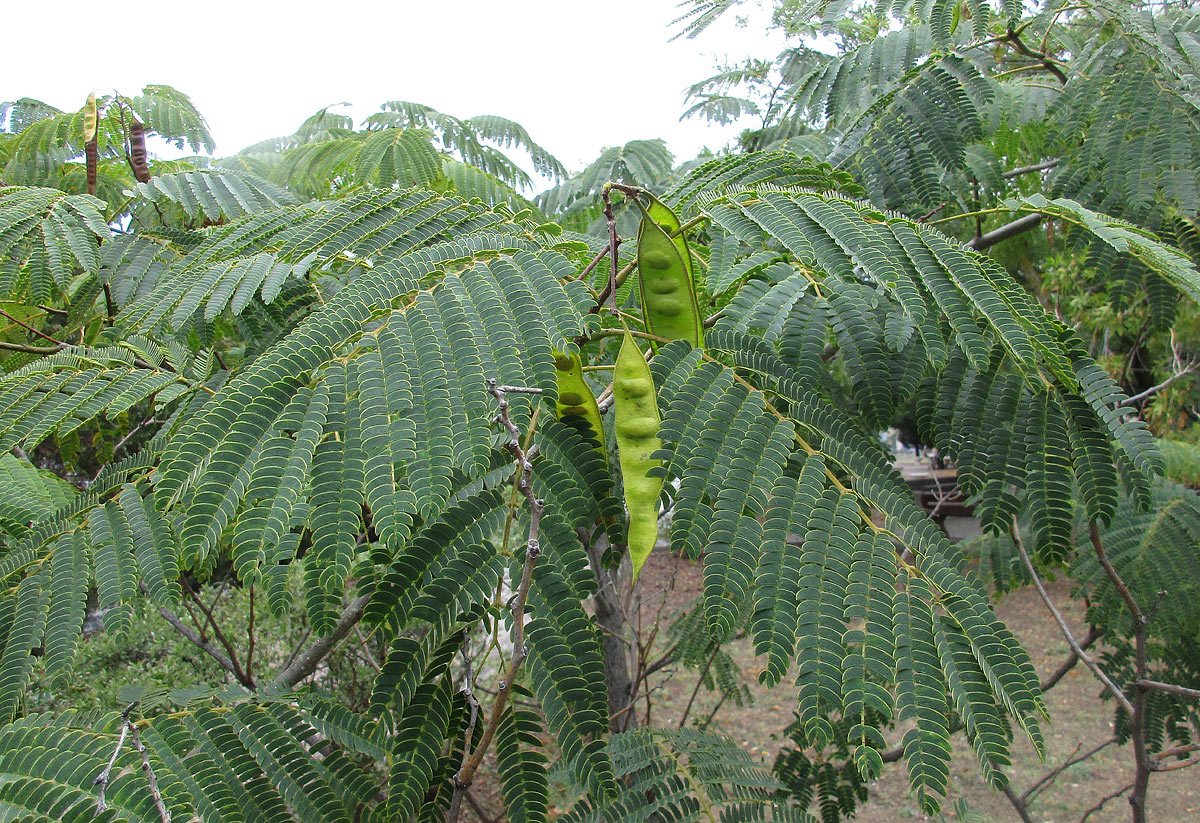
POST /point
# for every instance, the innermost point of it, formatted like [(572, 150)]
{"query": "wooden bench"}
[(938, 494)]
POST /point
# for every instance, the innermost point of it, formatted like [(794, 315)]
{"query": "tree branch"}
[(1104, 800), (307, 661), (101, 779), (1143, 765), (533, 549), (1062, 623), (1050, 776), (212, 651), (1182, 691), (1142, 395), (1068, 664), (1018, 226), (1017, 172), (164, 814)]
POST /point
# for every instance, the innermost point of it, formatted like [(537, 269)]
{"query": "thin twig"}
[(1050, 682), (1062, 623), (1048, 63), (595, 261), (102, 778), (212, 651), (25, 325), (1176, 751), (1178, 764), (1017, 172), (613, 242), (533, 549), (699, 681), (991, 238), (460, 791), (299, 645), (932, 212), (1050, 776), (1143, 765), (163, 813), (1182, 691), (1018, 804), (1104, 800), (1142, 395), (479, 812), (367, 648), (25, 349), (242, 677), (250, 638)]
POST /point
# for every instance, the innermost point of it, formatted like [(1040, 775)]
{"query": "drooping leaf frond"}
[(48, 236), (214, 195), (689, 775)]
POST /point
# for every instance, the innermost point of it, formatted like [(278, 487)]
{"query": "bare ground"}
[(1079, 720)]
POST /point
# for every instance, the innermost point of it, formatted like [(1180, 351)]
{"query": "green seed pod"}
[(637, 424), (90, 119), (576, 403), (665, 278), (661, 214)]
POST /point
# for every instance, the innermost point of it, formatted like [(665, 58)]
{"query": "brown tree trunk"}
[(616, 633)]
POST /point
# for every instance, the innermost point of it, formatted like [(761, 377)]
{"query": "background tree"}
[(316, 373)]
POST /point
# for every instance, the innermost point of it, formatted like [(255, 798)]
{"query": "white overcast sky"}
[(578, 74)]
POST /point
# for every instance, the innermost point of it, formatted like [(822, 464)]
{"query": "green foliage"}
[(314, 335), (687, 774)]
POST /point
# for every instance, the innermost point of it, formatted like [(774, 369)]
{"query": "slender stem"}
[(1048, 62), (164, 814), (101, 779), (1103, 801), (462, 779), (1178, 764), (613, 240), (1018, 226), (30, 328), (460, 791), (1137, 714), (966, 214), (1017, 172), (1018, 804), (479, 812), (21, 347), (242, 677), (1142, 395), (208, 648), (250, 638), (699, 681), (366, 647), (1050, 776), (1182, 691), (1176, 751), (1019, 69), (1050, 682), (1062, 623)]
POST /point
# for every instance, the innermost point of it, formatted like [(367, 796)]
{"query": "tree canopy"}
[(357, 371)]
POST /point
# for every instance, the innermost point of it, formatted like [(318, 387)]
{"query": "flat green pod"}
[(665, 282), (635, 405), (576, 403), (661, 214)]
